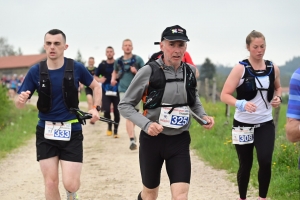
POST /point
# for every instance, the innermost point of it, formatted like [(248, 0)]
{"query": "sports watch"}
[(98, 108)]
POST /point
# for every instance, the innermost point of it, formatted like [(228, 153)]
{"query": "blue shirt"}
[(293, 110), (106, 70), (59, 112)]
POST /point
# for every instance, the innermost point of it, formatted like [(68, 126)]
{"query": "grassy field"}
[(17, 129), (214, 146)]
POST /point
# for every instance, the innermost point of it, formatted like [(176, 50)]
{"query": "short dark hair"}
[(92, 58), (110, 47), (56, 32)]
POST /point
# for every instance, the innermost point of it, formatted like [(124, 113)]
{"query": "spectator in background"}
[(13, 86)]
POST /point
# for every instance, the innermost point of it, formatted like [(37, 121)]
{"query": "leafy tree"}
[(5, 48), (79, 58), (207, 70), (19, 52)]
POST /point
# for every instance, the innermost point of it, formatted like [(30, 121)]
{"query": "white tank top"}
[(262, 113)]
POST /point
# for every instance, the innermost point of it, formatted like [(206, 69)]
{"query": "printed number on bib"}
[(57, 131), (176, 119), (242, 135)]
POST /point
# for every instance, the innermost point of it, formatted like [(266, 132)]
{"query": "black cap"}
[(173, 33)]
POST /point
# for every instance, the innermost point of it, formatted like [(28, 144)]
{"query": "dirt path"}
[(110, 172)]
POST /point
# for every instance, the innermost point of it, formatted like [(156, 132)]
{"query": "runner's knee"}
[(51, 184), (149, 193), (72, 187)]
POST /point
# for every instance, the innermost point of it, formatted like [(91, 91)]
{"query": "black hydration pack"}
[(154, 57), (69, 90), (153, 95), (248, 89), (121, 65)]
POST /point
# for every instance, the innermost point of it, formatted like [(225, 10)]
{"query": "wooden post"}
[(214, 91), (227, 114), (206, 89), (276, 117)]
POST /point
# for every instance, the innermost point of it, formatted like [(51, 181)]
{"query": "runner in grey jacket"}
[(173, 94), (165, 132)]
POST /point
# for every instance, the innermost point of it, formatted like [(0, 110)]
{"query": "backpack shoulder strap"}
[(244, 62), (69, 70), (154, 57), (120, 61), (270, 68), (44, 102), (103, 68), (190, 75), (269, 63), (43, 70)]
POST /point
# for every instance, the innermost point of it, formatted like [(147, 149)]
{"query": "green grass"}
[(82, 96), (215, 147), (19, 127)]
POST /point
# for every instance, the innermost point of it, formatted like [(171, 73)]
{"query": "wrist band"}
[(240, 105), (279, 98)]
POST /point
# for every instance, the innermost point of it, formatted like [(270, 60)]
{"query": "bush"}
[(5, 105)]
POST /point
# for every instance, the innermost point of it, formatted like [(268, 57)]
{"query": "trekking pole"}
[(82, 116)]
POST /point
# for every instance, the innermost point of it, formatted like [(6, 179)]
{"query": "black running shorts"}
[(65, 150), (108, 100), (88, 90), (174, 150)]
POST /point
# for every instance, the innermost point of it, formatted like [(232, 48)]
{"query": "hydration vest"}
[(69, 90), (154, 57), (248, 89), (121, 65), (153, 95), (103, 69)]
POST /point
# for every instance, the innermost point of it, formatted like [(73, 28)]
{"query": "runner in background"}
[(125, 68), (110, 94), (88, 91)]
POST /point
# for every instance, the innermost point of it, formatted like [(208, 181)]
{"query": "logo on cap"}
[(177, 30)]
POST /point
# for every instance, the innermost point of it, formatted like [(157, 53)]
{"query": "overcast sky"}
[(217, 28)]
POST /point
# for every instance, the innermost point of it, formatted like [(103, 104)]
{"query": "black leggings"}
[(174, 150), (106, 102), (264, 139)]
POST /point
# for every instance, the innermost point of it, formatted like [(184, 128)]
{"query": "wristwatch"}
[(280, 98), (98, 108)]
